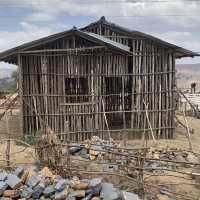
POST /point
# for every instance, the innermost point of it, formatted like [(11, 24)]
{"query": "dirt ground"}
[(181, 141), (21, 155)]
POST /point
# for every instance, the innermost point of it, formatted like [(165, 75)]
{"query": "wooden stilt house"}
[(100, 80)]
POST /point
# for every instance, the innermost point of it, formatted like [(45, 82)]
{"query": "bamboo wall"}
[(153, 75), (98, 91)]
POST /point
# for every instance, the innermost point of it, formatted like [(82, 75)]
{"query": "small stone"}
[(3, 187), (3, 176), (73, 150), (96, 198), (33, 181), (46, 172), (48, 191), (93, 157), (13, 181), (57, 178), (26, 192), (93, 153), (108, 192), (37, 191), (80, 185), (162, 197), (61, 195), (180, 158), (130, 196), (19, 171), (61, 184), (192, 158), (77, 193), (11, 193)]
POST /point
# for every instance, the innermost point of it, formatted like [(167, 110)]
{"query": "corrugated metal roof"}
[(110, 42), (180, 52)]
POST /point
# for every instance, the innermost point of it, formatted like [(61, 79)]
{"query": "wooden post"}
[(8, 143), (68, 143), (20, 85)]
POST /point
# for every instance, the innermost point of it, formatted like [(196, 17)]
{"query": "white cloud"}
[(28, 33), (181, 30)]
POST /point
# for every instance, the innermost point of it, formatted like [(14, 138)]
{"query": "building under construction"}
[(99, 80)]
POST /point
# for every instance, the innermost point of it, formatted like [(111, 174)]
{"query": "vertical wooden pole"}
[(8, 142), (68, 142), (20, 80)]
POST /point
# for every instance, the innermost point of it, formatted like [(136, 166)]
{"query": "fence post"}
[(8, 143), (67, 138)]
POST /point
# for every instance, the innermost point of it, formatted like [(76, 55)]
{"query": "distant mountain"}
[(6, 72), (6, 81), (188, 73), (7, 84)]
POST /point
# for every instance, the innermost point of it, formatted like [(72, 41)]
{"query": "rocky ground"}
[(184, 183), (31, 183)]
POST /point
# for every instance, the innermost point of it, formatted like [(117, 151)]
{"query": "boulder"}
[(13, 181)]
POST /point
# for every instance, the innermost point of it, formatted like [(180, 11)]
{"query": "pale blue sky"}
[(177, 21)]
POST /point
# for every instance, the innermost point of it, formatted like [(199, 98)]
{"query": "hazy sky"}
[(176, 21)]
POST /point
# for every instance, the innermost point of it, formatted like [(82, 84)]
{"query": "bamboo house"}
[(102, 80)]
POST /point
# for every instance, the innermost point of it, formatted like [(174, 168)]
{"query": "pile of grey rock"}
[(92, 149), (29, 183)]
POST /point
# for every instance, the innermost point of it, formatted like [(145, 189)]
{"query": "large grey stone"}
[(108, 192), (3, 176), (60, 185), (95, 186), (48, 191), (3, 187), (13, 181), (18, 171), (61, 195), (77, 193), (37, 191), (26, 192), (130, 196), (73, 150), (33, 181)]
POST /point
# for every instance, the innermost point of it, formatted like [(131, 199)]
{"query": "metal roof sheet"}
[(110, 42)]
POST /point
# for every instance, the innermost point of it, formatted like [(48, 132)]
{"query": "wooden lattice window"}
[(76, 90)]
